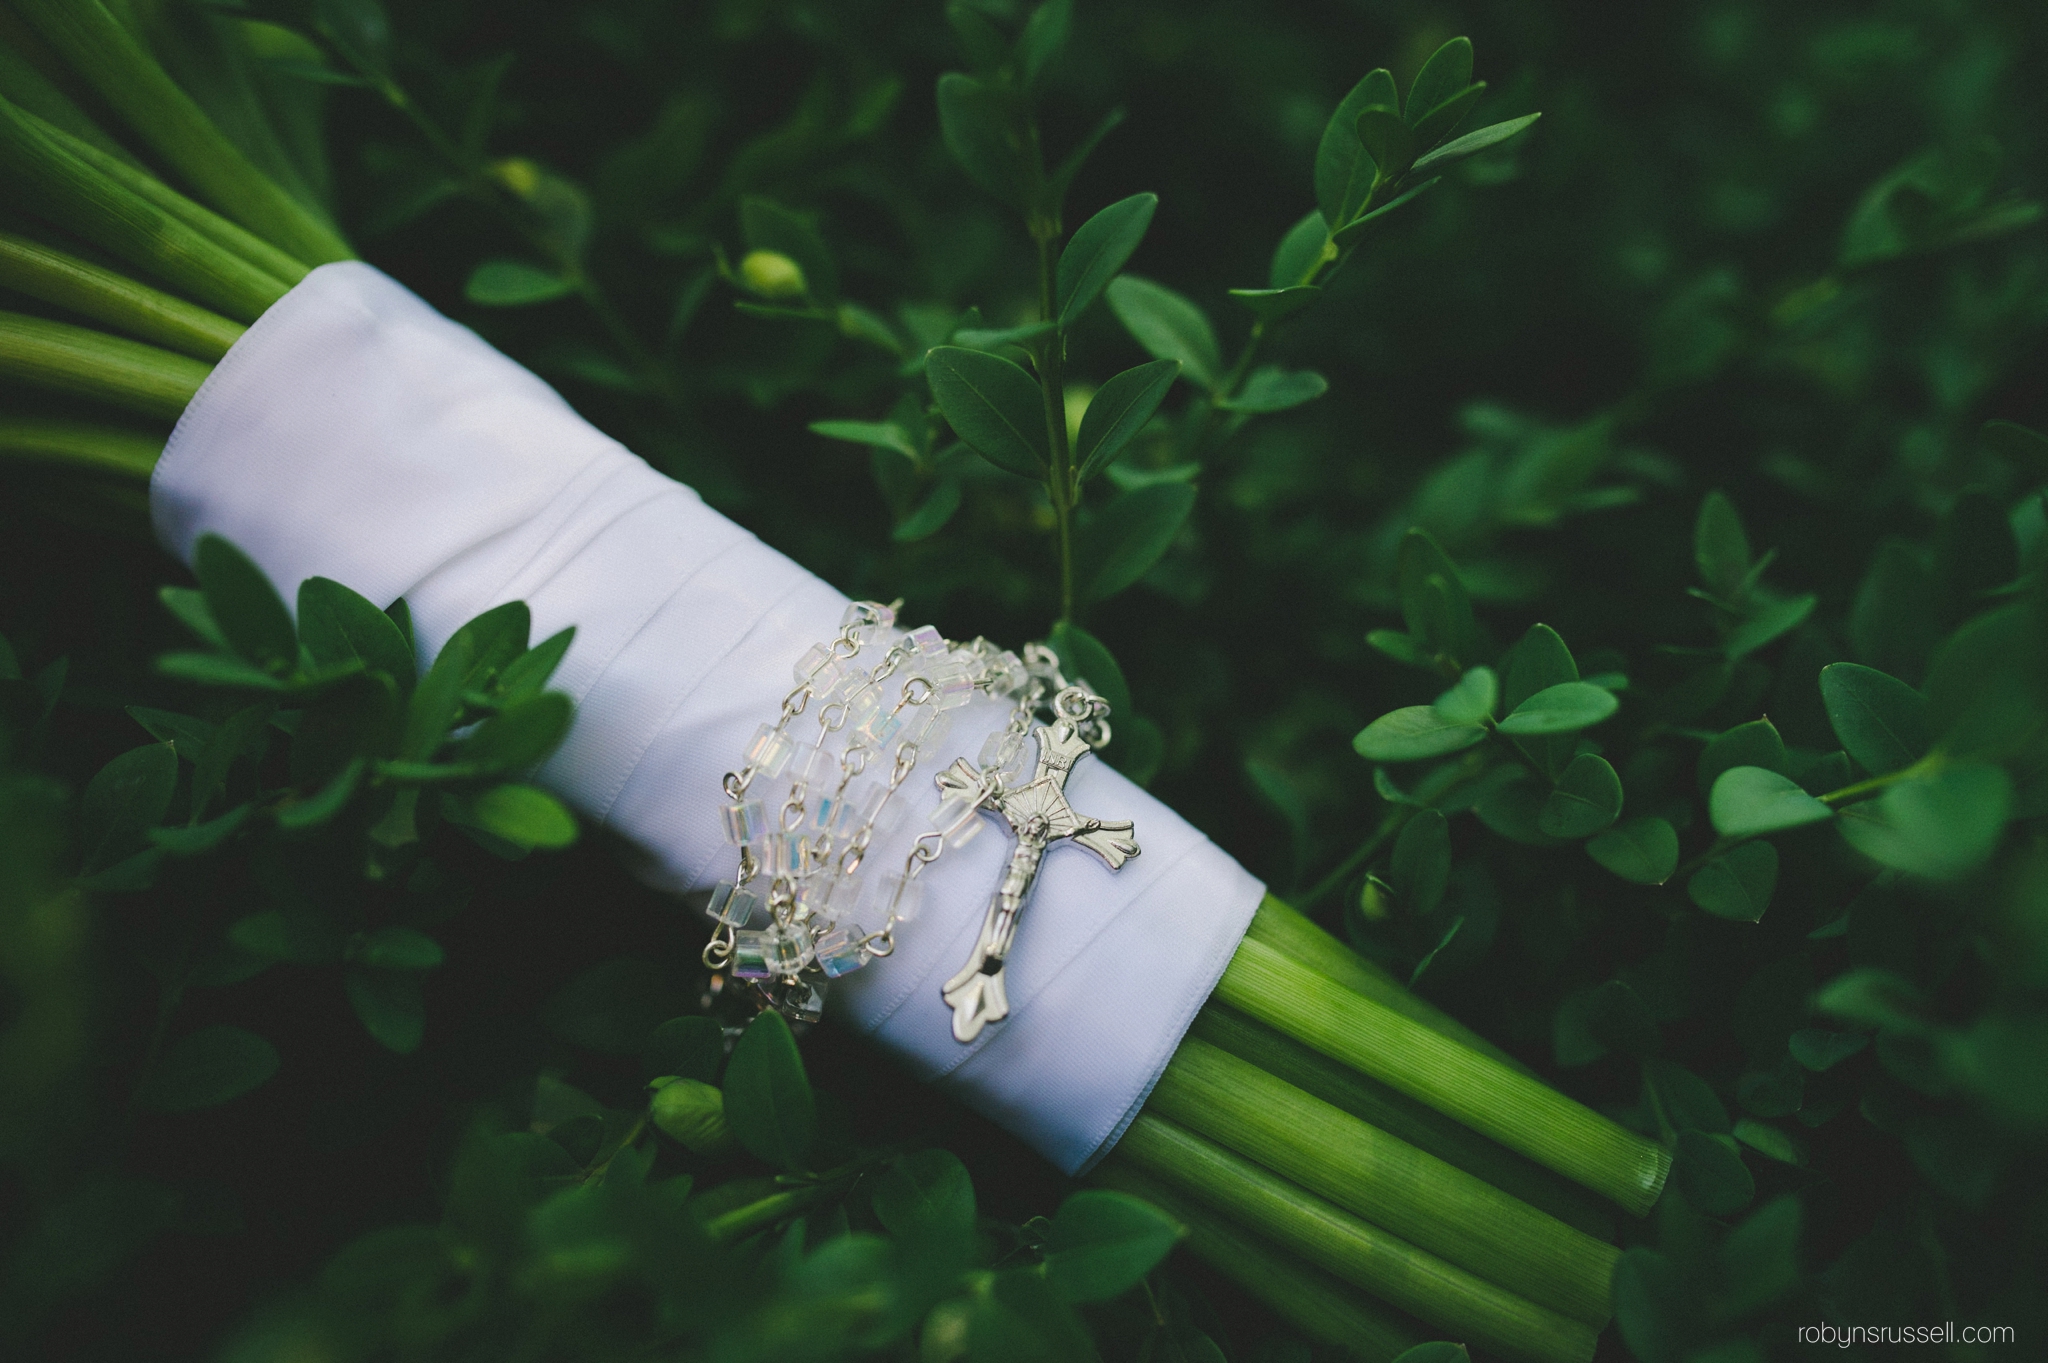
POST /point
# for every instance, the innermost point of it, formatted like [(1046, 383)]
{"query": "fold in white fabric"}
[(354, 433)]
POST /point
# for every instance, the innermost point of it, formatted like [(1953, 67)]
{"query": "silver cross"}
[(1039, 815)]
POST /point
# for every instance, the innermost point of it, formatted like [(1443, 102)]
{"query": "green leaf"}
[(1941, 826), (1747, 801), (1434, 604), (993, 405), (1118, 411), (215, 669), (1443, 120), (1388, 141), (525, 676), (1299, 254), (390, 1005), (435, 701), (1471, 144), (1101, 1244), (189, 607), (1539, 661), (124, 799), (1402, 648), (1769, 1140), (1444, 76), (1720, 549), (1820, 1050), (200, 838), (1586, 800), (1344, 169), (1644, 851), (1711, 1175), (1097, 250), (247, 609), (931, 514), (1737, 885), (1070, 164), (1344, 237), (1270, 388), (1775, 619), (1083, 657), (207, 1068), (2026, 450), (495, 639), (975, 121), (300, 936), (691, 1047), (1168, 325), (1755, 744), (767, 1096), (1561, 709), (336, 626), (1437, 1350), (1413, 733), (1472, 700), (1688, 1102), (1270, 305), (1045, 33), (515, 284), (519, 735), (767, 226), (1759, 1259), (1621, 1020), (1120, 542), (927, 1197), (321, 806), (1881, 721), (522, 815), (882, 434), (396, 949), (1422, 861)]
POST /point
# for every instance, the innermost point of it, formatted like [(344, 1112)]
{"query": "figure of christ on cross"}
[(1038, 815)]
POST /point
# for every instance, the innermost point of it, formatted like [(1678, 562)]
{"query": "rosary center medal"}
[(1038, 815)]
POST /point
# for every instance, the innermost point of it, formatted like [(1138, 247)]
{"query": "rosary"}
[(798, 912)]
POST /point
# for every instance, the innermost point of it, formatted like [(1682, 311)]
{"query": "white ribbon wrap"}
[(354, 433)]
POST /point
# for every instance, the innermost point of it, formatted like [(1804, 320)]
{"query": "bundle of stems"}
[(1374, 1170)]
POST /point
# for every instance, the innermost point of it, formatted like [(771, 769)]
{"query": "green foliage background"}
[(1783, 252)]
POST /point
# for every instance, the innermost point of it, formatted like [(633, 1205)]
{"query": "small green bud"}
[(517, 174), (693, 1113), (772, 275)]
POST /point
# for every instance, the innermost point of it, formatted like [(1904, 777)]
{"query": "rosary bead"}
[(879, 727), (815, 666), (788, 854), (840, 952), (731, 904), (769, 952), (812, 767), (770, 751), (929, 641), (745, 823)]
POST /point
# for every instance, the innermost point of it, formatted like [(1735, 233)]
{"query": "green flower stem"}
[(1307, 1298), (1926, 766), (91, 364), (763, 1212), (1399, 1115), (237, 241), (81, 446), (1492, 1098), (1433, 1205), (1293, 935), (1414, 1280), (1059, 482), (111, 59), (50, 171), (113, 299)]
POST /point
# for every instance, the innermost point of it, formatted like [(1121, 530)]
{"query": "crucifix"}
[(1039, 815)]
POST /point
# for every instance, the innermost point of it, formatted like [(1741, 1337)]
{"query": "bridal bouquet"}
[(401, 540)]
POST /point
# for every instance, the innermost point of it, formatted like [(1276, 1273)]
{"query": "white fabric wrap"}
[(355, 433)]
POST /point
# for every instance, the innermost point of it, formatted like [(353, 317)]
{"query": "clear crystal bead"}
[(812, 766), (840, 952), (771, 951), (811, 667), (787, 854), (900, 897), (745, 823), (732, 904), (863, 705), (929, 641), (814, 895), (878, 728), (953, 691), (770, 751)]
